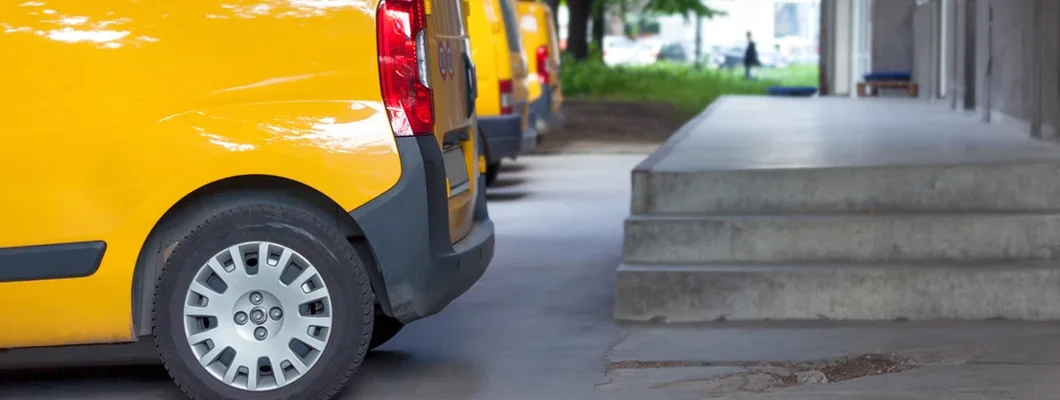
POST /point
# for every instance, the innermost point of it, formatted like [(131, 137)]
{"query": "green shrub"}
[(687, 88)]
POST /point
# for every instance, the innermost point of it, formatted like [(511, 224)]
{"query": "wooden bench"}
[(873, 87)]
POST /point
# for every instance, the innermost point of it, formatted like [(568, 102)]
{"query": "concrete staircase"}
[(886, 242)]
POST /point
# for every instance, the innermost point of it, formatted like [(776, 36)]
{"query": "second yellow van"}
[(503, 106), (539, 36)]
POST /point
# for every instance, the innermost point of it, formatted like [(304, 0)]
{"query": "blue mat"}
[(802, 91), (888, 76)]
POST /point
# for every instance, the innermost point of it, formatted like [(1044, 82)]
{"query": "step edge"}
[(710, 216), (836, 266)]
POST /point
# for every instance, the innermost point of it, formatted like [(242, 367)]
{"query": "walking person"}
[(750, 57)]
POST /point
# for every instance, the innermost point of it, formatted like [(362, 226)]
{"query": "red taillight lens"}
[(543, 73), (403, 67), (507, 103)]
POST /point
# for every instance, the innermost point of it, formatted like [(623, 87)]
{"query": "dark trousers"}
[(747, 72)]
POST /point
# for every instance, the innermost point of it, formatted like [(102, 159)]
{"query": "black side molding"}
[(53, 261)]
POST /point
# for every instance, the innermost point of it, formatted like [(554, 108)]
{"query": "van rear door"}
[(452, 82)]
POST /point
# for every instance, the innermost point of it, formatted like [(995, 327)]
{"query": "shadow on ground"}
[(506, 196), (507, 181), (513, 167), (56, 376)]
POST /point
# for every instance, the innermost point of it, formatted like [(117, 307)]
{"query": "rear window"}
[(511, 26)]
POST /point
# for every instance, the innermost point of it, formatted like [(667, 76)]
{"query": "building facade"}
[(998, 59)]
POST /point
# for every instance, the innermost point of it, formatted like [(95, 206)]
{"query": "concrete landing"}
[(755, 133), (836, 208)]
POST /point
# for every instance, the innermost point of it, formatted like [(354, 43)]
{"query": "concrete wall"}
[(948, 32), (1049, 35), (1005, 57), (1000, 58), (983, 43), (925, 67), (1011, 61), (1020, 72), (892, 35)]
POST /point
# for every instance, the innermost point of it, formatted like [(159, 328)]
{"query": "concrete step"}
[(842, 237), (1017, 291), (1017, 186)]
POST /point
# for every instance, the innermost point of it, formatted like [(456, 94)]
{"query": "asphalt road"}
[(537, 326)]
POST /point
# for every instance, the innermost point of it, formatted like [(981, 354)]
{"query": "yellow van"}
[(541, 41), (503, 108), (252, 186)]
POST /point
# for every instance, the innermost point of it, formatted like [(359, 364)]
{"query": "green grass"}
[(688, 89)]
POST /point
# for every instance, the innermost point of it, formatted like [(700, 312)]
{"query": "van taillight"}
[(543, 74), (507, 103), (403, 75)]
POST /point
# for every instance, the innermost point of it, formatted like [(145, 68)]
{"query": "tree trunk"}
[(578, 28), (599, 25)]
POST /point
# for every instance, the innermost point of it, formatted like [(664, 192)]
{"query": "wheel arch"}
[(483, 143), (224, 194)]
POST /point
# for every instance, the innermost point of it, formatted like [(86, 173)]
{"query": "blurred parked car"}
[(647, 51), (676, 53), (619, 50)]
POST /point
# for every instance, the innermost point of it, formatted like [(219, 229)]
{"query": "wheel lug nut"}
[(241, 318), (256, 298), (261, 333), (258, 316), (276, 313)]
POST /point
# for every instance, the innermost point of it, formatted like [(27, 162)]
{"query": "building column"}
[(830, 72), (926, 48), (860, 41), (983, 57), (967, 67), (843, 54), (1036, 70)]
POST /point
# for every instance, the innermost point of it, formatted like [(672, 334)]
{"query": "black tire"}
[(492, 170), (385, 328), (322, 245)]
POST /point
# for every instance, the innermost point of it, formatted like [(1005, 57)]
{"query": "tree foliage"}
[(681, 7), (581, 11)]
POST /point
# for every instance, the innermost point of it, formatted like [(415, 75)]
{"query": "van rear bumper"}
[(542, 107), (505, 137), (416, 270)]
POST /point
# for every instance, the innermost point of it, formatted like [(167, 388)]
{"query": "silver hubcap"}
[(257, 316)]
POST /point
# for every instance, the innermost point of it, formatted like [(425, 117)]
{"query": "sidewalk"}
[(980, 360)]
